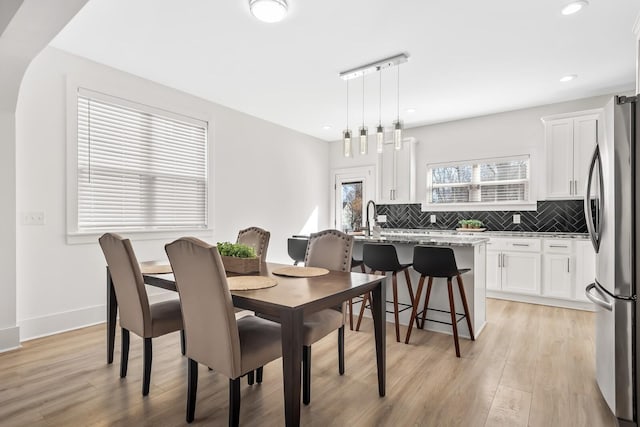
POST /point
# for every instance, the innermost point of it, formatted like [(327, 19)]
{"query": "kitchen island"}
[(470, 252)]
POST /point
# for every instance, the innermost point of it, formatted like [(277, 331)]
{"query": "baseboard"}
[(38, 327), (9, 338), (533, 299)]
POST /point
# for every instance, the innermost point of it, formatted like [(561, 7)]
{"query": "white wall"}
[(263, 175), (504, 134)]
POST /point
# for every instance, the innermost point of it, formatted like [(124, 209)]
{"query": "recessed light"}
[(568, 78), (268, 10), (326, 127), (574, 6), (411, 110)]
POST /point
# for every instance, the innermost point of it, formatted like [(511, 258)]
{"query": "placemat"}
[(155, 267), (249, 283), (301, 271)]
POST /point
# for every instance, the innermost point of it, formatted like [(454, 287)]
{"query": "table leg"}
[(379, 313), (112, 310), (291, 322)]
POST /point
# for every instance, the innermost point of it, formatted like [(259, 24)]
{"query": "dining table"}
[(290, 301)]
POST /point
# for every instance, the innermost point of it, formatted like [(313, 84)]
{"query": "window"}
[(351, 205), (487, 181), (138, 168)]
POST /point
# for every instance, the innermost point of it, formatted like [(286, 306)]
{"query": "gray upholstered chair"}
[(330, 249), (136, 314), (257, 238), (213, 335)]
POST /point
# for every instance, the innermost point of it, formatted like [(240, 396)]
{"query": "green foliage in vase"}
[(470, 223), (236, 250)]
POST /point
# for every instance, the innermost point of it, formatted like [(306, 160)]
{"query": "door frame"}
[(364, 173)]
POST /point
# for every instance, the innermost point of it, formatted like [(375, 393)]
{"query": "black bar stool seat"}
[(439, 262), (383, 258)]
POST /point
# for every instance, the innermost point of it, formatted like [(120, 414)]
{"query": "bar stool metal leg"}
[(414, 311), (426, 302), (454, 324), (394, 277)]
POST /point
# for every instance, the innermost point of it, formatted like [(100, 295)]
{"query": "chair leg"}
[(124, 355), (351, 313), (183, 343), (414, 311), (426, 301), (306, 374), (395, 305), (192, 387), (259, 373), (454, 324), (466, 307), (366, 297), (341, 350), (148, 356), (407, 277), (234, 402), (250, 377), (364, 270)]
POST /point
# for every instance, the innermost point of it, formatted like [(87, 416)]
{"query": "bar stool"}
[(355, 263), (297, 249), (439, 262), (384, 258)]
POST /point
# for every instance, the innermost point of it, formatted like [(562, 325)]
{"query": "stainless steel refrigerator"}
[(611, 207)]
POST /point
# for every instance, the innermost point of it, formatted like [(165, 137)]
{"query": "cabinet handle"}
[(570, 187), (568, 262), (390, 194), (499, 260), (558, 246), (504, 260), (526, 245)]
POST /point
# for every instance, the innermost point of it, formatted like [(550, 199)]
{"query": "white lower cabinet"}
[(543, 271)]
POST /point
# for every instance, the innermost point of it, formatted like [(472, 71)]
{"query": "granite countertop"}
[(434, 240), (401, 232)]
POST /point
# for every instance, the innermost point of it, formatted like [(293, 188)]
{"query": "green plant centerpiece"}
[(238, 258), (470, 223)]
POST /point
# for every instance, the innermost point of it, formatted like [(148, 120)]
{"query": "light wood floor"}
[(532, 365)]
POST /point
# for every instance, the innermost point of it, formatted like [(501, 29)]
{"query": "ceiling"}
[(467, 57)]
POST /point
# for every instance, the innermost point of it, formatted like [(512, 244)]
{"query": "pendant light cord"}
[(363, 100), (398, 92), (380, 100), (347, 104)]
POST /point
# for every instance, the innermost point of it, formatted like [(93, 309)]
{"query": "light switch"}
[(516, 218), (33, 218), (433, 219)]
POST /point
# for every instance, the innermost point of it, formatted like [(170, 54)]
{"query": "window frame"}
[(130, 98), (526, 205)]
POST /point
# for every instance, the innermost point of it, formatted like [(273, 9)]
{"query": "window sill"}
[(466, 207), (84, 237)]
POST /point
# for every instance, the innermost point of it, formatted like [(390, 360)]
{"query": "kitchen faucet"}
[(371, 202)]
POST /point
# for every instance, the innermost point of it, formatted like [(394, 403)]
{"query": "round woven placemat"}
[(301, 271), (155, 267), (249, 283)]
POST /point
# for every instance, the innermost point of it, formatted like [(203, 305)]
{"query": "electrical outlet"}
[(33, 218), (433, 219), (516, 218), (382, 218)]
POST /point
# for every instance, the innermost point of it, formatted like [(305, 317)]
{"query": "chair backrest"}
[(257, 238), (297, 249), (434, 261), (135, 314), (330, 249), (210, 326), (380, 257)]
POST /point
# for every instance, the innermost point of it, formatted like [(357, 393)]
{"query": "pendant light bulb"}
[(379, 138)]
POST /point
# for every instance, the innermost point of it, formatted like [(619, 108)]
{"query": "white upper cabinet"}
[(397, 173), (570, 140)]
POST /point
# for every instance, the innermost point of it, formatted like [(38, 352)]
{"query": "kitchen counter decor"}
[(238, 258), (470, 225)]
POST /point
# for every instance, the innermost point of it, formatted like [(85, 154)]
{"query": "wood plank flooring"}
[(532, 365)]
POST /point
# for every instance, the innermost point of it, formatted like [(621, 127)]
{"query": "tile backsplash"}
[(566, 216)]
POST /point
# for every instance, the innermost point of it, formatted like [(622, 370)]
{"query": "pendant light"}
[(268, 10), (379, 129), (346, 134), (364, 136), (397, 125)]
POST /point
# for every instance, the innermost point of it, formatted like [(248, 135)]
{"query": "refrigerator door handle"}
[(593, 227), (594, 299)]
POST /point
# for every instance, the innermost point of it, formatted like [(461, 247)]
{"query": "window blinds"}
[(486, 181), (139, 168)]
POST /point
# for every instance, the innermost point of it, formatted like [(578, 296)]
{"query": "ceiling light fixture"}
[(346, 134), (364, 133), (397, 125), (377, 66), (574, 7), (568, 78), (268, 10), (379, 129)]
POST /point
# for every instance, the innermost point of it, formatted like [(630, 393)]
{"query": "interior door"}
[(353, 187)]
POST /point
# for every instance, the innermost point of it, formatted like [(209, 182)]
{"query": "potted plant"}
[(238, 258), (470, 223)]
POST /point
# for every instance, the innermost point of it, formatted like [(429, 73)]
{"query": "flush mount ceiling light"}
[(377, 66), (268, 10), (574, 7), (568, 78)]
